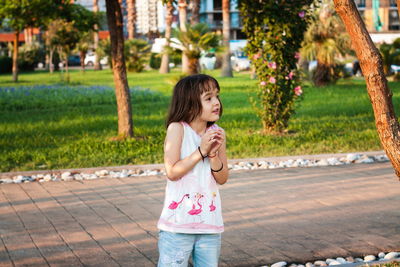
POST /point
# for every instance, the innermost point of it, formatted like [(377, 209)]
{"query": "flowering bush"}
[(274, 32)]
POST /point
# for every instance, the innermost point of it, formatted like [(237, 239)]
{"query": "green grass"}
[(70, 126)]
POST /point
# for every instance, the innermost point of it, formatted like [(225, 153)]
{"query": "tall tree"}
[(379, 93), (114, 19), (131, 18), (22, 14), (226, 28), (195, 18), (164, 68), (97, 65), (182, 5)]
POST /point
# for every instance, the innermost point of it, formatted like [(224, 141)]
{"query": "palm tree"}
[(195, 39), (97, 65), (131, 19), (195, 18), (182, 25), (226, 60), (164, 68), (325, 40), (83, 46)]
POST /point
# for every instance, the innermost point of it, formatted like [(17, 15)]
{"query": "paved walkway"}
[(296, 215)]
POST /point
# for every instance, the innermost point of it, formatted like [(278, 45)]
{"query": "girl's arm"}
[(174, 167), (216, 162)]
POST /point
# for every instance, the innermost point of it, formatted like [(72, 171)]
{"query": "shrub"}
[(137, 54), (155, 61), (5, 64), (275, 31)]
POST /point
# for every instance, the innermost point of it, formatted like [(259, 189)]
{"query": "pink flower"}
[(302, 14), (272, 80), (256, 56), (272, 65), (298, 91), (297, 55), (291, 74), (263, 83)]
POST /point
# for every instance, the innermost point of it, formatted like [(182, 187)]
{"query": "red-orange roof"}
[(9, 37)]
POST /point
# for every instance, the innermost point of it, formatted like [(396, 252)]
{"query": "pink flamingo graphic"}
[(195, 211), (212, 206), (174, 205)]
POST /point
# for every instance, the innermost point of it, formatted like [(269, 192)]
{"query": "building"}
[(211, 13)]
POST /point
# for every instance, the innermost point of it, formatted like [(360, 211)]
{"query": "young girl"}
[(195, 162)]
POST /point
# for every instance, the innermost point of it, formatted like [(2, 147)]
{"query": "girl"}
[(195, 162)]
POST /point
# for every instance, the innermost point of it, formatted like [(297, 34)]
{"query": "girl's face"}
[(210, 105)]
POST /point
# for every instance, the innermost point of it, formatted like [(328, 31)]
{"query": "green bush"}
[(5, 64), (155, 61), (29, 55), (137, 54)]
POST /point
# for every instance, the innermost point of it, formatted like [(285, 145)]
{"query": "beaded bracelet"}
[(220, 169)]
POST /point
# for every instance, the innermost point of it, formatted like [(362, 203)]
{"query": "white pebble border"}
[(243, 165), (368, 260)]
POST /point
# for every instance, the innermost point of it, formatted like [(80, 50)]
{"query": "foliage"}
[(325, 40), (155, 61), (274, 32), (104, 50), (6, 64), (137, 54), (29, 55), (390, 55), (73, 124), (196, 39), (30, 13)]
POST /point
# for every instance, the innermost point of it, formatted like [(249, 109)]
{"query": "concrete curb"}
[(161, 166)]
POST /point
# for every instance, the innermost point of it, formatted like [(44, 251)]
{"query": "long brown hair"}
[(186, 103)]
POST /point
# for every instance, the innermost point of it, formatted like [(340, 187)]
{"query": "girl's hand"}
[(219, 140), (209, 140)]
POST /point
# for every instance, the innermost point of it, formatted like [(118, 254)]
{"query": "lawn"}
[(45, 124)]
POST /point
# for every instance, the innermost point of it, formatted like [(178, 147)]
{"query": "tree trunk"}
[(195, 18), (164, 68), (15, 57), (226, 28), (82, 56), (182, 25), (51, 64), (378, 90), (114, 19), (322, 75), (97, 65), (193, 67), (131, 19)]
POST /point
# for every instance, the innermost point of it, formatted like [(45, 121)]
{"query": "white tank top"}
[(192, 204)]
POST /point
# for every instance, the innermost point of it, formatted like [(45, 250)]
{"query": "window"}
[(394, 23), (393, 3), (217, 4), (360, 3)]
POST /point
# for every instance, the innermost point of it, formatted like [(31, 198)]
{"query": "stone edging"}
[(158, 169)]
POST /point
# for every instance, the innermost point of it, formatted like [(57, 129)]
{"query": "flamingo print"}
[(195, 211), (212, 206), (174, 205)]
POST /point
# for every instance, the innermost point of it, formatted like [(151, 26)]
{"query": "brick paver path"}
[(296, 215)]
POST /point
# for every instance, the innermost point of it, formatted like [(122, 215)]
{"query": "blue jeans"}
[(175, 249)]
